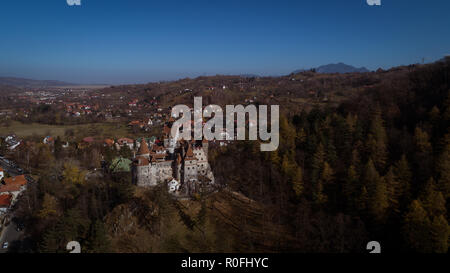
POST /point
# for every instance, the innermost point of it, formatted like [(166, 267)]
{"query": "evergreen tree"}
[(275, 158), (319, 196), (440, 233), (351, 185), (416, 228), (287, 146), (297, 182), (377, 141), (444, 170), (392, 189), (317, 163), (433, 201), (351, 121), (423, 152), (434, 115), (403, 174), (71, 227), (98, 241), (356, 159), (288, 167), (301, 137), (379, 201), (370, 176), (363, 200), (331, 156), (327, 173)]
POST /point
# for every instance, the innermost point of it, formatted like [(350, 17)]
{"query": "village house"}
[(5, 203), (48, 140), (173, 186), (108, 142), (121, 142), (133, 103), (14, 186), (86, 142), (12, 142)]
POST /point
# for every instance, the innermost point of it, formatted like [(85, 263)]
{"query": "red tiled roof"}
[(156, 148), (125, 140), (88, 139), (134, 122), (159, 156), (189, 152), (109, 142), (5, 200), (143, 149), (13, 183)]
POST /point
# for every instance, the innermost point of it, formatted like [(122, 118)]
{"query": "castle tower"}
[(143, 149), (142, 171), (190, 165)]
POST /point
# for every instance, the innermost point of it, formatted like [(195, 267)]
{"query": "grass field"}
[(107, 129)]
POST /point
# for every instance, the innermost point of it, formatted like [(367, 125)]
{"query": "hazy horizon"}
[(194, 75)]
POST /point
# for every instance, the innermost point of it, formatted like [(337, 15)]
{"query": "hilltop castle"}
[(182, 164)]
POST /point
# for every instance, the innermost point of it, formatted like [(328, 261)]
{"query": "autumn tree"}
[(443, 166), (440, 233), (423, 154), (49, 207), (73, 175), (403, 174), (433, 201), (98, 241), (392, 190), (297, 182), (377, 141), (416, 228)]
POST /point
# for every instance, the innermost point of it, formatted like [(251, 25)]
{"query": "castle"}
[(182, 164)]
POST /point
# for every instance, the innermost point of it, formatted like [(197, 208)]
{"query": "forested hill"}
[(294, 93), (377, 166), (373, 166)]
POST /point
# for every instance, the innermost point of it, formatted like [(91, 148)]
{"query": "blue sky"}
[(126, 41)]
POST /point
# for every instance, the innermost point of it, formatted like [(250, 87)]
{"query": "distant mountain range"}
[(29, 83), (336, 68)]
